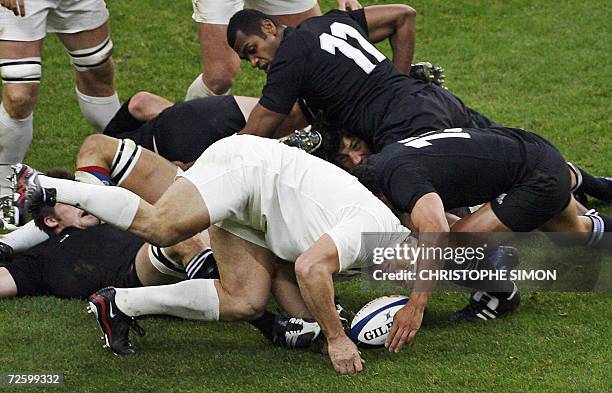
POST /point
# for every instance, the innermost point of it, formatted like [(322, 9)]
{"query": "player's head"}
[(255, 36), (344, 149), (53, 220)]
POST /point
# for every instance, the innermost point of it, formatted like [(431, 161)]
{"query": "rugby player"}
[(82, 27), (522, 180), (269, 202), (330, 63), (220, 63), (83, 255)]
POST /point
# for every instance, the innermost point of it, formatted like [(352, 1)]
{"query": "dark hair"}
[(331, 137), (247, 21), (366, 175), (39, 213)]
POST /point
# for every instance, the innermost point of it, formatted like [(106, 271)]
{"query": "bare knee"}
[(97, 149), (19, 101), (219, 76)]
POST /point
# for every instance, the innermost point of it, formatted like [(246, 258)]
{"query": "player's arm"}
[(263, 122), (429, 219), (398, 23), (8, 288), (314, 270), (17, 6)]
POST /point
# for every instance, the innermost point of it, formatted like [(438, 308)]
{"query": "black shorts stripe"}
[(92, 52)]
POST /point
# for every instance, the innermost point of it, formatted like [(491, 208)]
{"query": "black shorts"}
[(431, 108), (183, 131), (539, 195)]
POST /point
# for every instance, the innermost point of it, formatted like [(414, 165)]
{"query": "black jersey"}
[(184, 130), (328, 63), (465, 167), (77, 263)]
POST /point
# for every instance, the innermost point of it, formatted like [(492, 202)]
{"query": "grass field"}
[(542, 65)]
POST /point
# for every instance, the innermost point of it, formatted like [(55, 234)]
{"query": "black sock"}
[(595, 186), (123, 121), (265, 324), (203, 265)]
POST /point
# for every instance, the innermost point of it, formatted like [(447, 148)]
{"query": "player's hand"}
[(406, 324), (348, 5), (17, 6), (344, 355)]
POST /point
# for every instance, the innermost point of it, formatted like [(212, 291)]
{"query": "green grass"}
[(542, 65)]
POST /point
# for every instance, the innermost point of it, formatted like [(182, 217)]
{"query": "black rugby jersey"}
[(329, 62), (465, 167), (77, 262)]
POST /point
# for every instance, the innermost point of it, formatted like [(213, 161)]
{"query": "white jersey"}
[(285, 199)]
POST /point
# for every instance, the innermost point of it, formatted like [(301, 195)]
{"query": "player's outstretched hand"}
[(17, 6), (344, 355), (406, 324), (348, 5)]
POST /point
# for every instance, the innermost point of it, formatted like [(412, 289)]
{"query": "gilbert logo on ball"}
[(372, 323)]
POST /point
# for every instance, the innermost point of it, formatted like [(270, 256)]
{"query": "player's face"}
[(70, 216), (353, 151), (258, 51)]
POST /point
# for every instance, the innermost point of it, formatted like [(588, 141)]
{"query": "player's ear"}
[(51, 221), (268, 27)]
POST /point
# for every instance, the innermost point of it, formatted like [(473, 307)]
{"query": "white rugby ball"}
[(372, 323)]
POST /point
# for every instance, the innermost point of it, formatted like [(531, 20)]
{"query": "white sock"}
[(98, 110), (25, 237), (15, 138), (115, 205), (192, 299), (198, 89)]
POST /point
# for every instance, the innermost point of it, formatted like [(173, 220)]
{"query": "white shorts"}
[(283, 199), (219, 12), (52, 16)]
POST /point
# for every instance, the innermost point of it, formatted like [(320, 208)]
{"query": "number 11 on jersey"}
[(337, 40)]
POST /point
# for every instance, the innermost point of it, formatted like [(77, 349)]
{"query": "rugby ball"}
[(372, 323)]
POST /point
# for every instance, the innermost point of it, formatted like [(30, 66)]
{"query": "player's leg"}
[(220, 63), (241, 293), (20, 68), (106, 160), (134, 112), (165, 265), (584, 183), (91, 54)]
